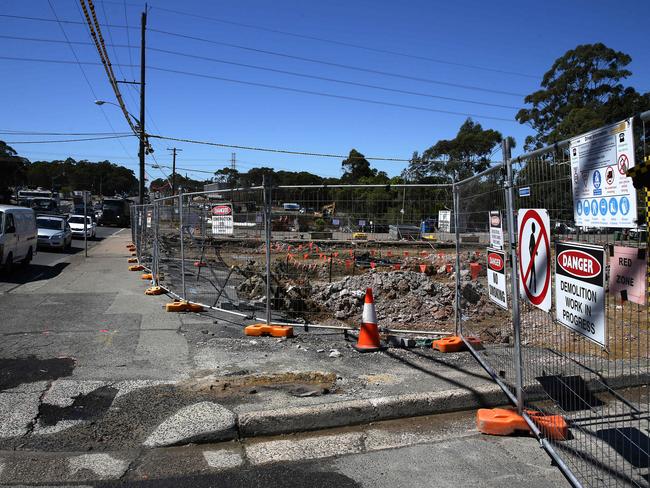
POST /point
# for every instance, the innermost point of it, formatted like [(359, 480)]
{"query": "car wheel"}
[(9, 264), (28, 258)]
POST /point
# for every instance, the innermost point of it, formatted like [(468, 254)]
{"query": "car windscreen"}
[(113, 205), (78, 220), (52, 224)]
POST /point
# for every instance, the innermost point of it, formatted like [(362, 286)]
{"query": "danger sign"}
[(222, 219), (496, 275), (496, 229), (534, 256), (580, 289), (627, 274)]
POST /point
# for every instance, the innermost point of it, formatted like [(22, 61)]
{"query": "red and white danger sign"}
[(534, 256)]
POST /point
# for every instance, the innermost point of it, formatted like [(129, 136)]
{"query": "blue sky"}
[(520, 37)]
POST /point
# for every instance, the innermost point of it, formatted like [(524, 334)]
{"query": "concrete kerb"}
[(355, 412)]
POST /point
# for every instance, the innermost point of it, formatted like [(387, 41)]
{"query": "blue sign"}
[(596, 179), (586, 207), (335, 221), (524, 191), (613, 206), (603, 206), (624, 205), (594, 207), (579, 208)]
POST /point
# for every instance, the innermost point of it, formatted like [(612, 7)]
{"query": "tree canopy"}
[(583, 90), (466, 154)]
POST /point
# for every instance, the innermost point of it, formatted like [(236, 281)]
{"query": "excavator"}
[(326, 210)]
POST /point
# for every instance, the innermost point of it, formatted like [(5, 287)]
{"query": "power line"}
[(53, 141), (264, 149), (83, 72), (333, 80), (347, 44), (37, 133), (301, 75), (332, 95), (299, 58), (337, 65), (285, 88)]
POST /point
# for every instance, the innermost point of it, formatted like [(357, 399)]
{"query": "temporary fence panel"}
[(331, 242), (587, 358), (477, 257)]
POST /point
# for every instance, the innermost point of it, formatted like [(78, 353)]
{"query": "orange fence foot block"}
[(178, 306), (456, 344), (132, 260), (269, 330), (154, 290), (552, 426), (505, 421), (137, 267), (133, 254), (500, 421), (147, 276)]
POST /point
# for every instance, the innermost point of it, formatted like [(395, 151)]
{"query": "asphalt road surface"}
[(49, 263)]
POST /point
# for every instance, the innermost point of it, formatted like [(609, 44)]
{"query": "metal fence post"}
[(180, 226), (154, 257), (457, 308), (267, 239), (514, 278)]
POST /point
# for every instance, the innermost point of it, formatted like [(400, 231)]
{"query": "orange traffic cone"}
[(368, 340)]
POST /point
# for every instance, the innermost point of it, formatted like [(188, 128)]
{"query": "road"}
[(49, 263)]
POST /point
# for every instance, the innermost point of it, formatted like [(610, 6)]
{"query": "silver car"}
[(53, 232)]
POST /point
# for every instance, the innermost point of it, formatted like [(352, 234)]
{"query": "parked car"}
[(76, 223), (17, 235), (53, 232)]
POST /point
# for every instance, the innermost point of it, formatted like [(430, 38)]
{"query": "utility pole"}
[(142, 111), (174, 150)]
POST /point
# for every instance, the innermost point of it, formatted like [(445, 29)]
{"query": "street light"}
[(144, 144), (102, 102)]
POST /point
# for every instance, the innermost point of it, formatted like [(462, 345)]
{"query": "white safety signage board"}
[(149, 218), (496, 230), (444, 220), (580, 289), (603, 196), (534, 256), (222, 220), (496, 275)]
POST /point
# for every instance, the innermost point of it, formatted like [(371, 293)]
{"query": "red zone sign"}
[(580, 289)]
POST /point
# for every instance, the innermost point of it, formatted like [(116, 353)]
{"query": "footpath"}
[(92, 367)]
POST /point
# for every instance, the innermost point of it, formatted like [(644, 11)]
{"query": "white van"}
[(18, 235)]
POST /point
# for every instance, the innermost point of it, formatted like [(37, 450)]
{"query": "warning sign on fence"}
[(603, 196), (444, 220), (627, 274), (496, 230), (580, 289), (222, 221), (534, 256), (496, 275)]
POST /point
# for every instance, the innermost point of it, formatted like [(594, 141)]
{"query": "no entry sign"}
[(534, 256), (580, 289)]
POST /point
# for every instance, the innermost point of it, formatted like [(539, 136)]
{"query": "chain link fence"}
[(304, 255)]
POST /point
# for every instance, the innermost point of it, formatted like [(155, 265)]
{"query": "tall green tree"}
[(12, 167), (461, 157), (355, 167), (583, 90)]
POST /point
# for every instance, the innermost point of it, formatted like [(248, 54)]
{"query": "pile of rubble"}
[(401, 297), (404, 299)]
